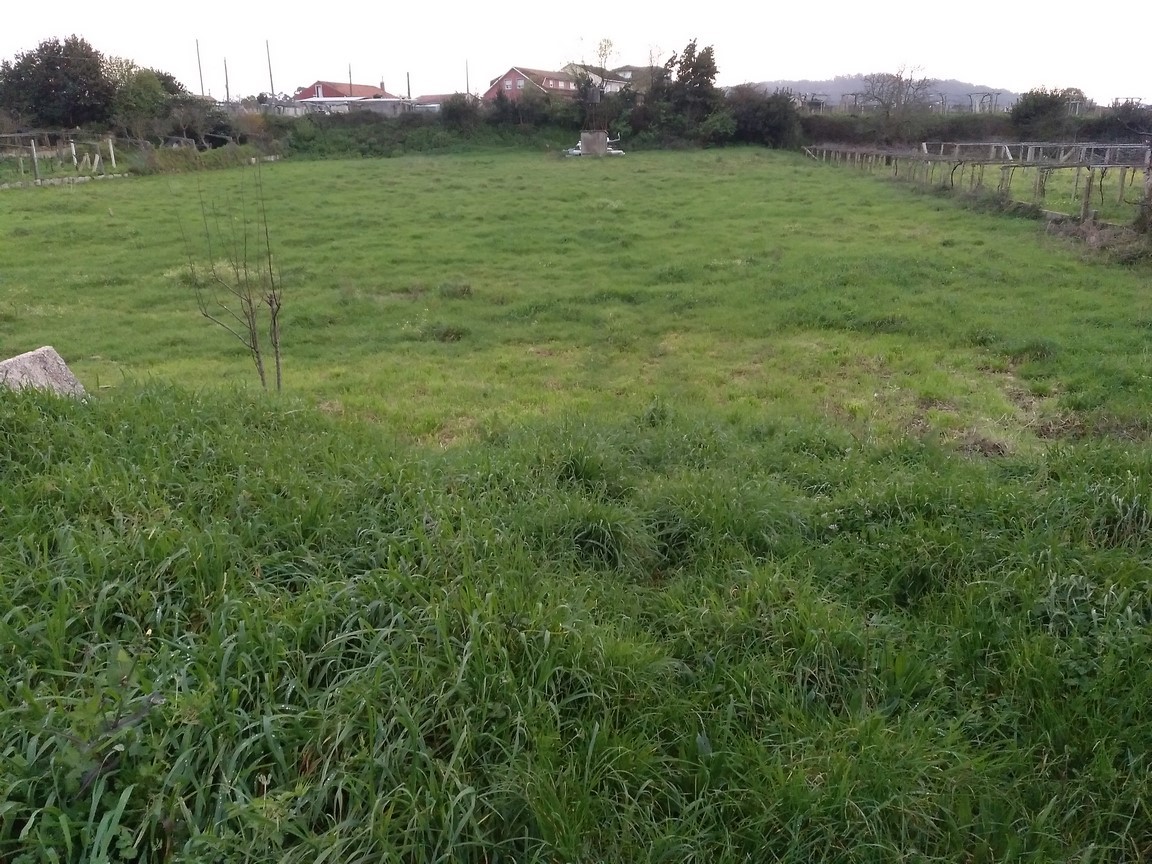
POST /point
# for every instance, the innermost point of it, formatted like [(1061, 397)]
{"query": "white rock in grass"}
[(42, 368)]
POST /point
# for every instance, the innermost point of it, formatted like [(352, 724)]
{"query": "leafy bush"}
[(1041, 115), (168, 160), (763, 118)]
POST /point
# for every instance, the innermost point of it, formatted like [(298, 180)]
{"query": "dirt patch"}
[(1059, 426), (919, 426), (975, 444), (928, 403), (453, 431)]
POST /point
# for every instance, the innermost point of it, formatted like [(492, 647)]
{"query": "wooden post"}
[(75, 164), (1086, 201), (21, 160), (1148, 177), (111, 154), (35, 162), (1123, 178)]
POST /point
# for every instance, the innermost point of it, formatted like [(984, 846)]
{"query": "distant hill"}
[(836, 88)]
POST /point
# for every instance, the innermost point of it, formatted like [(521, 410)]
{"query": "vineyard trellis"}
[(35, 158), (1080, 171)]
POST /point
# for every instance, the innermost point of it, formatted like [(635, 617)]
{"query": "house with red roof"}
[(337, 96), (341, 90), (520, 80)]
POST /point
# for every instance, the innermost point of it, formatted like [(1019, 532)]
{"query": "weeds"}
[(236, 631)]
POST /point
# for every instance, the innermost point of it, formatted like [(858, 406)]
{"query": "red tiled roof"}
[(338, 89)]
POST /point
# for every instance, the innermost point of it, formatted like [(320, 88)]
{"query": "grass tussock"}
[(235, 630)]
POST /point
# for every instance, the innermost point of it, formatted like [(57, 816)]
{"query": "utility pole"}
[(467, 83), (271, 86), (227, 91), (408, 76), (349, 80), (199, 67)]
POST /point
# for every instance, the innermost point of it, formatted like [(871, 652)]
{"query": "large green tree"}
[(59, 84), (690, 83), (141, 105), (684, 101)]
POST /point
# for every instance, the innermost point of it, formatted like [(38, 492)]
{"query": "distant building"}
[(637, 78), (341, 97), (341, 90), (608, 82), (431, 104), (520, 80)]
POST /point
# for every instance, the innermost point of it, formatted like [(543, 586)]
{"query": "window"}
[(508, 84), (519, 83)]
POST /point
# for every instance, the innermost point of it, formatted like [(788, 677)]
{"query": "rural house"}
[(520, 80), (335, 96), (340, 90), (637, 78), (608, 82)]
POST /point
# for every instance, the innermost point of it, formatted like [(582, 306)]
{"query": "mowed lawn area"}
[(707, 506)]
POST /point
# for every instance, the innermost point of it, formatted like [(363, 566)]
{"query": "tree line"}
[(68, 84), (62, 85)]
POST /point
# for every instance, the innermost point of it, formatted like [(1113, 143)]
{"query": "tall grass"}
[(235, 630)]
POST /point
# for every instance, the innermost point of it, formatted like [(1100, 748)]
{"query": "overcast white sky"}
[(999, 45)]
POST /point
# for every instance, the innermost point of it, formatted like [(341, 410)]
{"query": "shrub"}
[(762, 118)]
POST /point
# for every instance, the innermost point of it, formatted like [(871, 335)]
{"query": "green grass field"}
[(713, 506), (743, 281)]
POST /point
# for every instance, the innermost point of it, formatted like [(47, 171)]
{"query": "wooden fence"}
[(1072, 176), (36, 158)]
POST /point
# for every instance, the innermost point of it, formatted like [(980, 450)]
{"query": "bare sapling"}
[(240, 288)]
